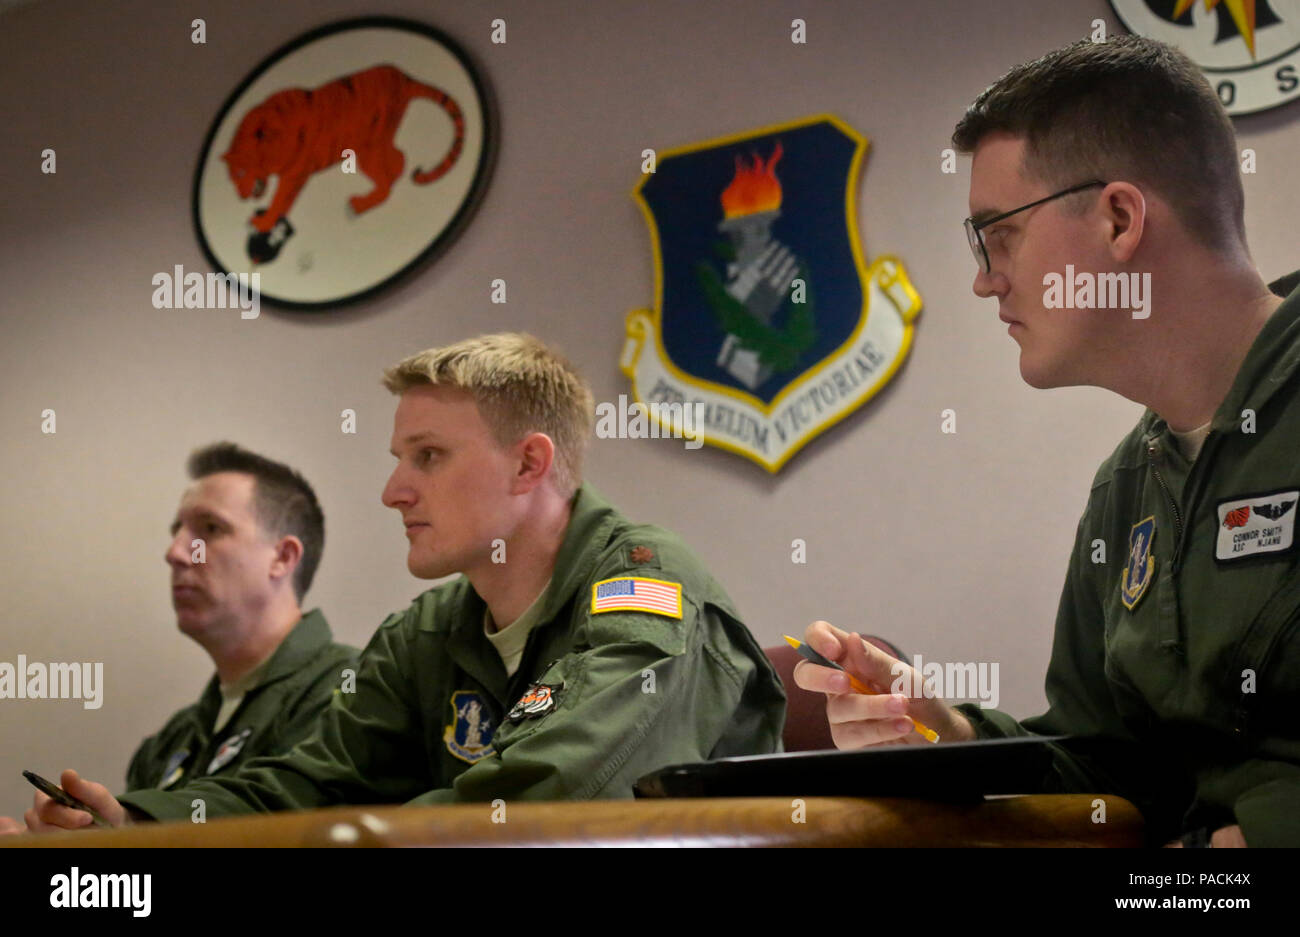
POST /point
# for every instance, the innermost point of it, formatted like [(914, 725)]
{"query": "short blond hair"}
[(520, 386)]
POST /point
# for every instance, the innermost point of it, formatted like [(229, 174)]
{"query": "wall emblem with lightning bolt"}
[(1248, 49)]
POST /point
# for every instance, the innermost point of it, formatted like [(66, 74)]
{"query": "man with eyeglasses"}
[(1175, 664)]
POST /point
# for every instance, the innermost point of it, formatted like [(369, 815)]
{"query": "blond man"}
[(576, 652)]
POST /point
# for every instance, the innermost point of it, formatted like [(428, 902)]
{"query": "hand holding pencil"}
[(869, 714)]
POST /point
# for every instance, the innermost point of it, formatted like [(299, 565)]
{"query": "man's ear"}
[(288, 554), (535, 454), (1125, 213)]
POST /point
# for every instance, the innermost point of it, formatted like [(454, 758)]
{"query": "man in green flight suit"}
[(276, 666), (1175, 663), (577, 652), (246, 541)]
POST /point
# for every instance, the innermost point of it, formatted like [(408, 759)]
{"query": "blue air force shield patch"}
[(469, 737), (1138, 572), (175, 768), (766, 321)]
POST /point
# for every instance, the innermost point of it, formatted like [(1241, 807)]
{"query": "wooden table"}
[(1038, 820)]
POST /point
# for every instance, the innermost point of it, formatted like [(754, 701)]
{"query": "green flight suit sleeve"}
[(1269, 814), (142, 762), (649, 691), (1103, 756), (1262, 788), (155, 752), (363, 749)]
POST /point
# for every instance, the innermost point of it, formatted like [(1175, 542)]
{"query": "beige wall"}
[(954, 546)]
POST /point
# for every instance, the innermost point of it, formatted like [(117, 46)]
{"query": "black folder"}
[(957, 771)]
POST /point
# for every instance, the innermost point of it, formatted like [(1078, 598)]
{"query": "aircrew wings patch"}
[(635, 594)]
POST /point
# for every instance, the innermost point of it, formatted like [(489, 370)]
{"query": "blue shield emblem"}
[(1139, 570), (175, 768), (766, 322), (469, 737)]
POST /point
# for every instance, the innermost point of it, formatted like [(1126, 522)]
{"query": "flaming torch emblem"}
[(759, 278), (767, 319)]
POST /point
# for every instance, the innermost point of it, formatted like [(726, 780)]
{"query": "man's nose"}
[(178, 551), (396, 493), (987, 285)]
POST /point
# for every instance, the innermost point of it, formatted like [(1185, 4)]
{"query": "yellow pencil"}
[(809, 654)]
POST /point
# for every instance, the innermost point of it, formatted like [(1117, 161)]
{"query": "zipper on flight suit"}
[(1168, 626), (1171, 632), (1169, 495), (1241, 714), (1191, 489)]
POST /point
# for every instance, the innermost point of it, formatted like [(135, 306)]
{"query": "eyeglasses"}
[(973, 228)]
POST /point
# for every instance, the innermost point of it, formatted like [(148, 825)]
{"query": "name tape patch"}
[(635, 594), (1256, 524)]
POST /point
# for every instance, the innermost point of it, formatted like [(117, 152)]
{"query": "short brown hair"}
[(283, 502), (1129, 109), (520, 386)]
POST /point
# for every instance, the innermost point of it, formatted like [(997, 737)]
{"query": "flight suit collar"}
[(209, 705), (307, 637), (300, 645), (590, 524), (1272, 360), (591, 521)]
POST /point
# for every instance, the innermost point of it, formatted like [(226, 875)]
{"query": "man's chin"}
[(1038, 382), (189, 623), (428, 568), (1039, 377)]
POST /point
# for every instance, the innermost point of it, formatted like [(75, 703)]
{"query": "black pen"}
[(60, 796)]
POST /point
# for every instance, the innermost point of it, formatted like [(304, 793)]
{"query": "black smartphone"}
[(60, 796)]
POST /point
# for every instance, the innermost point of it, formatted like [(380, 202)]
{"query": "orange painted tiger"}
[(298, 132)]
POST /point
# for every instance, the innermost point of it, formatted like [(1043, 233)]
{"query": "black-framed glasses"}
[(973, 228)]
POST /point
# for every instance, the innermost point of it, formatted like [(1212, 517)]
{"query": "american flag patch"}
[(634, 594)]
